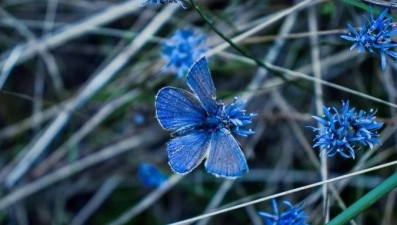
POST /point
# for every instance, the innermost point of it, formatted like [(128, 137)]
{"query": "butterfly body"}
[(201, 127)]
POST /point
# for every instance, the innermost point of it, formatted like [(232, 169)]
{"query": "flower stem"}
[(244, 53), (366, 201)]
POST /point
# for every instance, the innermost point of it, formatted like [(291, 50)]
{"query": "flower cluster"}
[(346, 131), (182, 50), (150, 175), (292, 216), (374, 37), (234, 116)]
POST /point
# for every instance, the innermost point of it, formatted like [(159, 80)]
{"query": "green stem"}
[(208, 21), (231, 43), (356, 3), (366, 5), (366, 201)]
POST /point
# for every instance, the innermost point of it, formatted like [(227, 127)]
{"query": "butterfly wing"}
[(225, 158), (200, 81), (186, 152), (178, 109)]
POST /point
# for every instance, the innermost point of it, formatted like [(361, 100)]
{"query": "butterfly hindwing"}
[(186, 152), (200, 81), (225, 158), (177, 108)]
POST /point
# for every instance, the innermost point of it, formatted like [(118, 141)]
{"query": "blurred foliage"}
[(39, 84)]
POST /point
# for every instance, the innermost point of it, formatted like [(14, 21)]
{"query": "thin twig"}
[(318, 96), (243, 36), (147, 201), (381, 3), (217, 199), (284, 193), (96, 201)]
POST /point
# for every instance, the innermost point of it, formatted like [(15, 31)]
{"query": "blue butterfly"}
[(202, 127)]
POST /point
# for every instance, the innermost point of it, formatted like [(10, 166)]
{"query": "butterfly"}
[(201, 127)]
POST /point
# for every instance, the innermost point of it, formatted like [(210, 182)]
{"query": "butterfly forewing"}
[(186, 152), (200, 81), (177, 108), (225, 158)]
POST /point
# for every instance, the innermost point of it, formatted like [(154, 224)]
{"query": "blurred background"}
[(78, 80)]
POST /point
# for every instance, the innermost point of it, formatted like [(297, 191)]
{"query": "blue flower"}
[(182, 50), (234, 117), (292, 216), (138, 118), (150, 175), (374, 37), (161, 2), (346, 131)]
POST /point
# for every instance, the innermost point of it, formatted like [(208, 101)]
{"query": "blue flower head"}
[(183, 49), (234, 117), (150, 175), (374, 37), (346, 131), (292, 216)]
